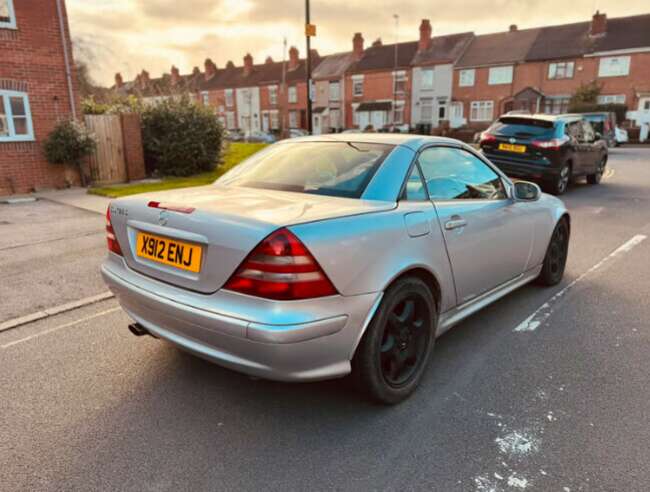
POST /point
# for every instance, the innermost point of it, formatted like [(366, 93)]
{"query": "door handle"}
[(456, 222)]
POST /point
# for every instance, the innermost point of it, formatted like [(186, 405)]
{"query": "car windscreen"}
[(523, 128), (341, 169)]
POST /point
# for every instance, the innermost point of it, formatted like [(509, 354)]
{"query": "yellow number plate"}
[(178, 254), (520, 149)]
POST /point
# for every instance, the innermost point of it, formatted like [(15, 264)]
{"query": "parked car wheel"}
[(556, 256), (595, 178), (393, 353), (561, 183)]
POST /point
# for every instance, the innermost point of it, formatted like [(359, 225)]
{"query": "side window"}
[(455, 174), (574, 130), (414, 189), (589, 134)]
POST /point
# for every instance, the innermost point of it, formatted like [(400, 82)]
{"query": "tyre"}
[(595, 178), (556, 256), (560, 184), (393, 353)]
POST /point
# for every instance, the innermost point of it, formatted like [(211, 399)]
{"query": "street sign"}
[(310, 30)]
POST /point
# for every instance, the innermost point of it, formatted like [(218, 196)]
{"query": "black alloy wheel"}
[(556, 255)]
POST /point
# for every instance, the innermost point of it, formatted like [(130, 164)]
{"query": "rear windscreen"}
[(522, 127)]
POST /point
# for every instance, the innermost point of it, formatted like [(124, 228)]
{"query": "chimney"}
[(230, 64), (268, 60), (176, 76), (196, 71), (357, 46), (425, 35), (513, 27), (248, 64), (119, 82), (598, 24), (376, 42), (210, 69), (293, 58), (144, 79)]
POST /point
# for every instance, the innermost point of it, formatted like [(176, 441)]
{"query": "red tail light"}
[(281, 268), (552, 144), (113, 245), (172, 206), (487, 138)]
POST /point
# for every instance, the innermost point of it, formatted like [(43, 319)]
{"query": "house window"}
[(7, 16), (230, 120), (229, 98), (500, 75), (293, 119), (275, 120), (611, 99), (399, 82), (556, 105), (614, 66), (357, 86), (466, 78), (273, 95), (15, 117), (563, 70), (398, 114), (481, 110), (335, 91), (334, 119), (426, 110), (426, 79), (293, 94), (205, 98)]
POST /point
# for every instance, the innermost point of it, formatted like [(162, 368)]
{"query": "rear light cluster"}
[(281, 268), (113, 245), (172, 206), (487, 138), (552, 144)]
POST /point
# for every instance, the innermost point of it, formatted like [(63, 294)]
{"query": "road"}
[(563, 406)]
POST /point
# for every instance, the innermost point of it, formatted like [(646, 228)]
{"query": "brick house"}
[(432, 76), (152, 90), (378, 84), (37, 90), (538, 70), (329, 89)]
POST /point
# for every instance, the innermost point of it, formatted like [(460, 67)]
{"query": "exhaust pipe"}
[(138, 330)]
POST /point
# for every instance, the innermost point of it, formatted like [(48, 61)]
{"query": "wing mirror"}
[(525, 191)]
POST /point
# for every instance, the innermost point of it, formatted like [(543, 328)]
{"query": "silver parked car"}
[(321, 256)]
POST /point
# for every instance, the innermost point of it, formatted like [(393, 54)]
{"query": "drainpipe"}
[(66, 58)]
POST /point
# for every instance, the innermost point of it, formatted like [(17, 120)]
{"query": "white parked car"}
[(621, 136)]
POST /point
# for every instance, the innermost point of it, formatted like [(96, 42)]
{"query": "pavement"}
[(560, 406), (76, 197)]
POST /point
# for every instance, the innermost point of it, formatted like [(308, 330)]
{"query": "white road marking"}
[(545, 310), (609, 173), (46, 313), (60, 327)]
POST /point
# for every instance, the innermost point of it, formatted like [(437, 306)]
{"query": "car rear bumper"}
[(233, 333), (526, 170)]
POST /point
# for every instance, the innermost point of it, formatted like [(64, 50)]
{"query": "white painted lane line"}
[(545, 310), (46, 313), (60, 327), (609, 173)]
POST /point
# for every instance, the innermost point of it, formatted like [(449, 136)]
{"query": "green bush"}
[(117, 105), (69, 143), (180, 138)]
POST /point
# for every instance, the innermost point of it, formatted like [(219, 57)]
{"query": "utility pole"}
[(309, 31)]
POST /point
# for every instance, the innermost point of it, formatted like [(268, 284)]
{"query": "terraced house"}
[(37, 90)]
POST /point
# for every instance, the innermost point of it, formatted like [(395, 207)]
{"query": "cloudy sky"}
[(129, 35)]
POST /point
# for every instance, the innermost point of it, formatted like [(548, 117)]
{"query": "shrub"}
[(69, 143), (586, 94), (129, 104), (180, 138)]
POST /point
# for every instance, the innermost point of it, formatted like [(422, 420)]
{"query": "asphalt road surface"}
[(515, 398)]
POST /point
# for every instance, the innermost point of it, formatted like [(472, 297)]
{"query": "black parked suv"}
[(549, 149)]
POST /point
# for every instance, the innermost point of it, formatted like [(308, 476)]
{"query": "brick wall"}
[(32, 59), (132, 141)]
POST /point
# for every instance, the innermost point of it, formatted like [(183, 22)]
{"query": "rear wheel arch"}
[(427, 277)]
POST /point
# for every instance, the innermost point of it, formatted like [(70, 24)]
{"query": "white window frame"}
[(357, 85), (12, 137), (500, 75), (556, 104), (478, 111), (205, 98), (399, 77), (274, 119), (560, 70), (293, 94), (605, 66), (426, 78), (293, 119), (230, 120), (398, 113), (467, 78), (334, 95), (228, 94), (426, 102), (11, 24), (273, 94), (611, 99)]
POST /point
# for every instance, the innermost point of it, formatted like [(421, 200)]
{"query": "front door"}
[(317, 125), (488, 236), (378, 119), (265, 122)]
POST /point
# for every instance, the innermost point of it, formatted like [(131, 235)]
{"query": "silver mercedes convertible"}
[(324, 256)]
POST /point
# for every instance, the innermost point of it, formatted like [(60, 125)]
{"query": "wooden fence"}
[(107, 164)]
